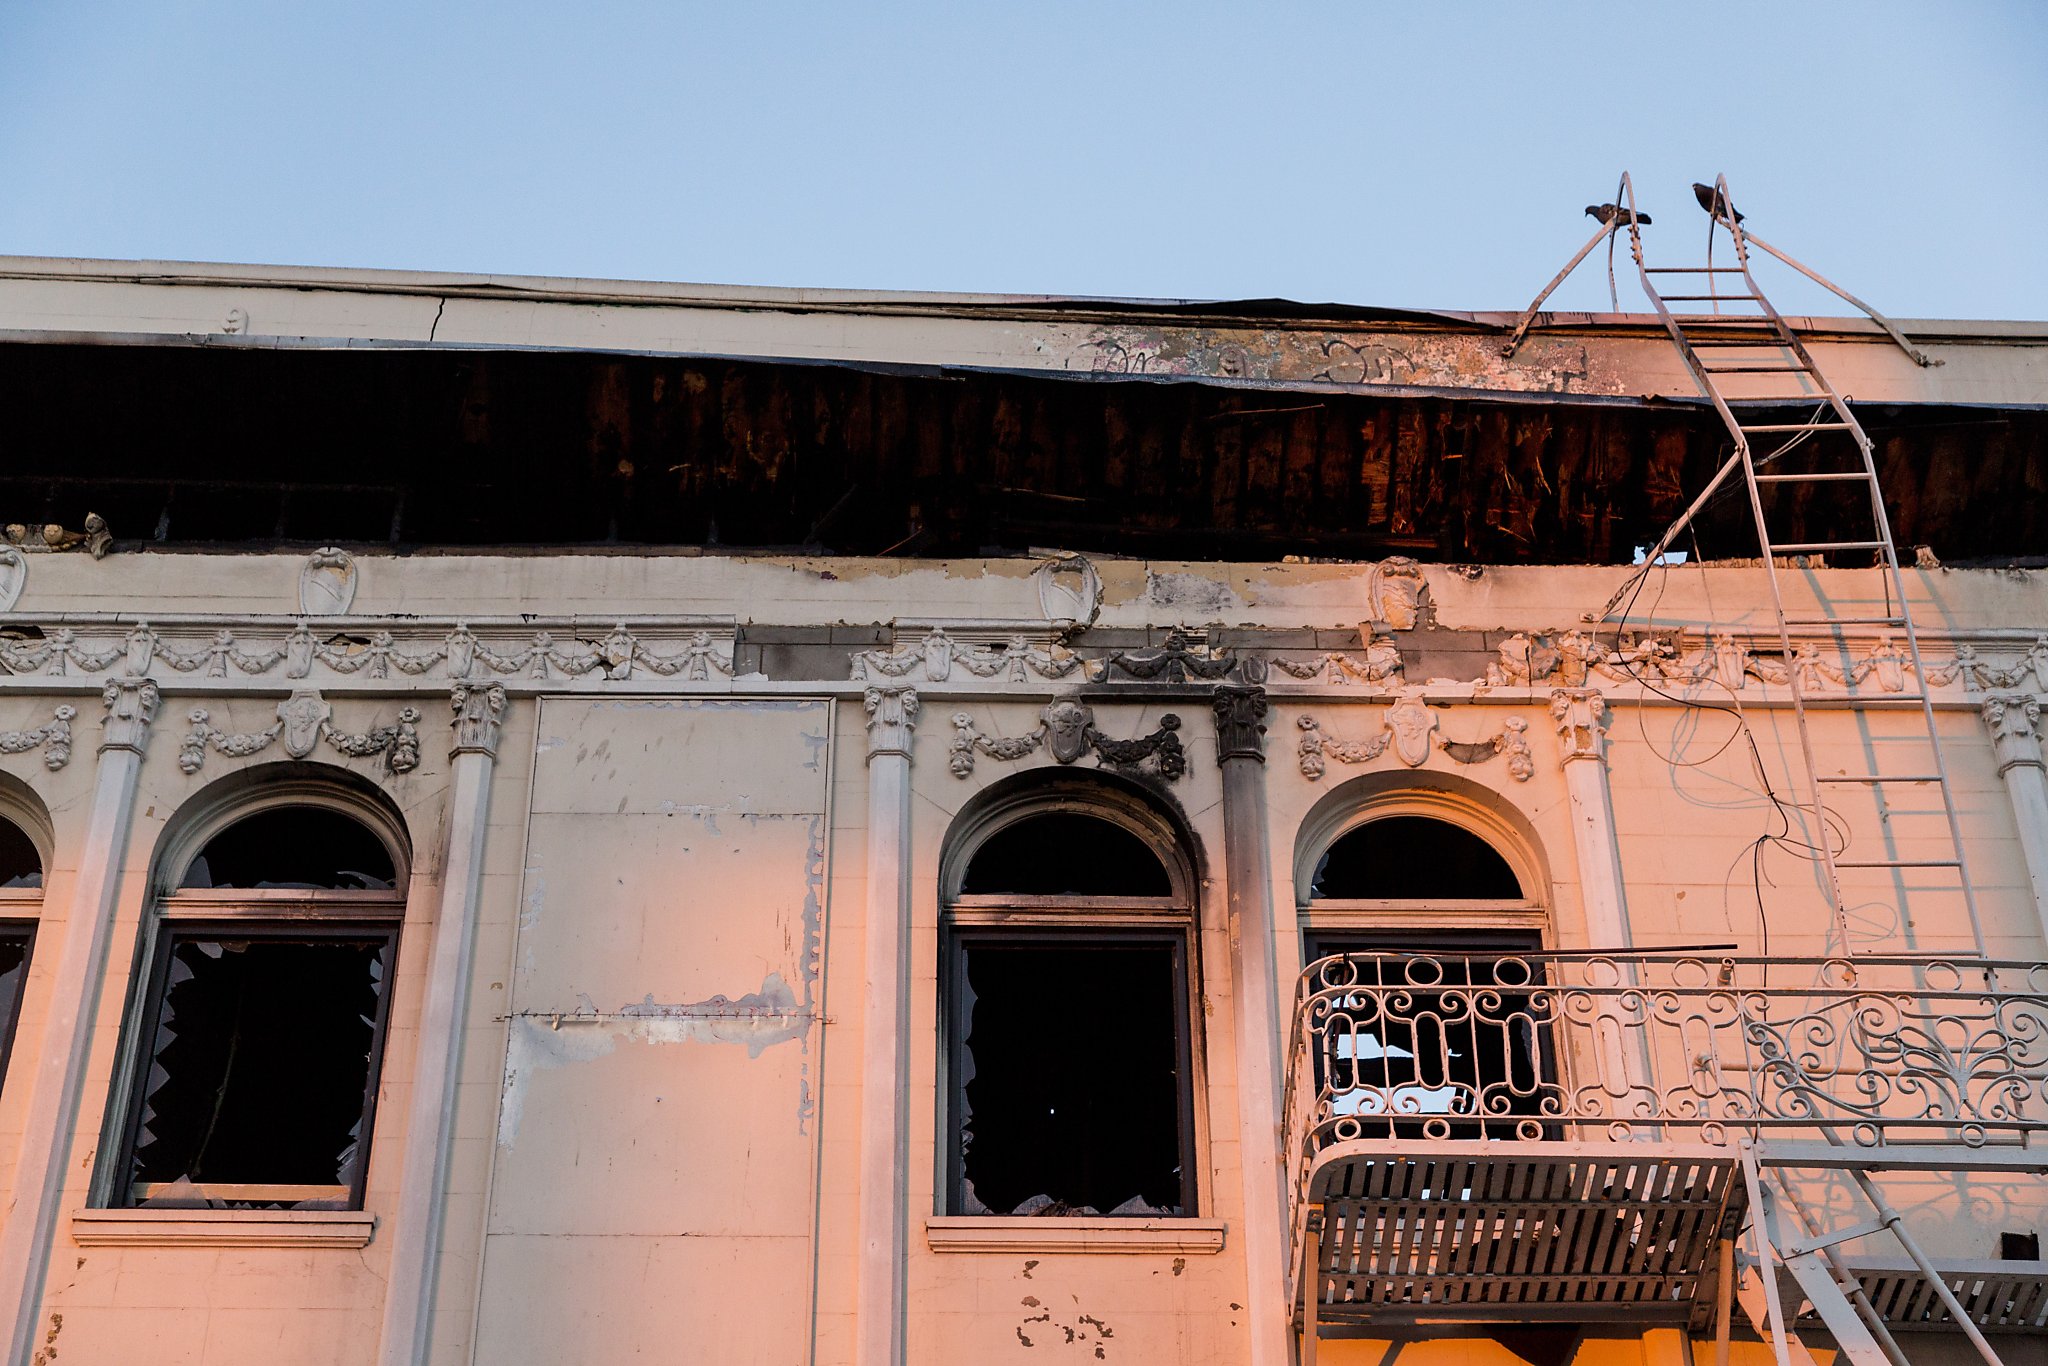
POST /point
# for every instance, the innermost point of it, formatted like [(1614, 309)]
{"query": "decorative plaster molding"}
[(479, 719), (1379, 663), (455, 653), (54, 736), (1240, 724), (327, 582), (95, 540), (1017, 660), (303, 720), (131, 705), (2014, 720), (1394, 591), (1410, 729), (892, 719), (1174, 661), (1581, 717), (1069, 592), (13, 577), (1066, 730)]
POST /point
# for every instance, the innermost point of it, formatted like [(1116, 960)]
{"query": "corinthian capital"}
[(1240, 724), (892, 716), (2014, 720), (1581, 717), (479, 717), (131, 705)]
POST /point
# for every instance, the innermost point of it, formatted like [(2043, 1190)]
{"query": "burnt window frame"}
[(1437, 926), (268, 914), (21, 913), (1085, 921)]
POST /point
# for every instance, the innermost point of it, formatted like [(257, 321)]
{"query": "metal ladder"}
[(1790, 1234), (1761, 345)]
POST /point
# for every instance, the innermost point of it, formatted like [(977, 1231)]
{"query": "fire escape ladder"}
[(1753, 357), (1796, 1254)]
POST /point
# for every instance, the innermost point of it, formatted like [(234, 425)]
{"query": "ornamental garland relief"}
[(1411, 730)]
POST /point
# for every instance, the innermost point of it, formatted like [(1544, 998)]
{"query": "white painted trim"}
[(1026, 1233), (216, 1228)]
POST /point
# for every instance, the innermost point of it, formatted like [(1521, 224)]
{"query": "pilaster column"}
[(2015, 723), (1581, 716), (1621, 1046), (1248, 886), (885, 1033), (416, 1221), (59, 1069)]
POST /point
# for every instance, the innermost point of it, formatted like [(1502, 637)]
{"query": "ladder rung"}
[(1845, 621), (1692, 270), (1798, 427), (1899, 700), (1810, 478), (1712, 298), (1898, 863), (1881, 778), (1725, 319), (1749, 369), (1733, 341), (1815, 547)]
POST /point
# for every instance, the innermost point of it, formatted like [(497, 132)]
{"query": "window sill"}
[(222, 1228), (1025, 1233)]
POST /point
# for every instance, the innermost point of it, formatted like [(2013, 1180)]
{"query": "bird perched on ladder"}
[(1712, 201), (1614, 216)]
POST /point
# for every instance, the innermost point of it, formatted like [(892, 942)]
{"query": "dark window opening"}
[(15, 942), (1065, 853), (293, 847), (1444, 1041), (256, 1090), (1071, 1071), (21, 867), (1413, 858)]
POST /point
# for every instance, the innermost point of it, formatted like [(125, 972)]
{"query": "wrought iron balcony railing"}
[(1681, 1046)]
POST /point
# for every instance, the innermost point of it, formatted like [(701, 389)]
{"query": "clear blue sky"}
[(1423, 154)]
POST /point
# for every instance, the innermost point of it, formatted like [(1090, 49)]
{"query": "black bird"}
[(1613, 215), (1710, 199)]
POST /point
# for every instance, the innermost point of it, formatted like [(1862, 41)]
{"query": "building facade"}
[(563, 821)]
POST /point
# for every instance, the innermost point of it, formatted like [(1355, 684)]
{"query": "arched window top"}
[(1067, 837), (296, 847), (1065, 853), (21, 863), (1413, 858)]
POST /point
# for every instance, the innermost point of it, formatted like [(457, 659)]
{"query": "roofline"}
[(1279, 313)]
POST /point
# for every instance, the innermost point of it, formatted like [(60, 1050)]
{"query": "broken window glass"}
[(15, 941), (1071, 1076), (258, 1071), (302, 847), (21, 867), (1065, 853), (1413, 858)]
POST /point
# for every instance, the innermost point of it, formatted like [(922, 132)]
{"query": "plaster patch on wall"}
[(759, 1020), (1190, 593)]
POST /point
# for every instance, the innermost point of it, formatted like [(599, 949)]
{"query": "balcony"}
[(1579, 1138)]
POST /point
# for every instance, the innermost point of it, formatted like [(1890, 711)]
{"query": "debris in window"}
[(257, 1089), (1065, 853), (294, 847), (1413, 858), (1076, 1051), (21, 868)]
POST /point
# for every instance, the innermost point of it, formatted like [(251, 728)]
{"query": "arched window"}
[(261, 1024), (21, 905), (1069, 1033), (1423, 941)]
